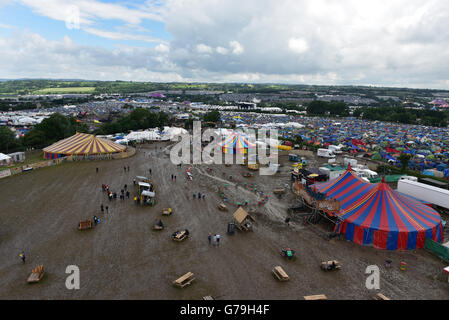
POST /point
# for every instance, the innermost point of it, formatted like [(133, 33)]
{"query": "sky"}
[(400, 43)]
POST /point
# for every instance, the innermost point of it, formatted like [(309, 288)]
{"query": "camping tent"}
[(4, 159), (386, 219), (82, 144)]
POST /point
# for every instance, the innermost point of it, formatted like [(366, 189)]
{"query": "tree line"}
[(54, 128)]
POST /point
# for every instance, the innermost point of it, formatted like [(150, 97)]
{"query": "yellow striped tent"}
[(82, 144)]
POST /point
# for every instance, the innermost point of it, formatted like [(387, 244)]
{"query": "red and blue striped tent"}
[(386, 219), (347, 189)]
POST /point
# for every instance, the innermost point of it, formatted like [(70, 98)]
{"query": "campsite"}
[(123, 258)]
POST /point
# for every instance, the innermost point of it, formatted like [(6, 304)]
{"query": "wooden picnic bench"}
[(326, 264), (156, 226), (380, 296), (36, 274), (184, 280), (180, 236), (316, 297), (84, 225), (222, 207), (279, 191), (280, 274)]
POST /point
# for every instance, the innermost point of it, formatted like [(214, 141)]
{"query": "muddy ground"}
[(123, 258)]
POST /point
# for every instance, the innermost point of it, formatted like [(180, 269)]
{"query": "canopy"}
[(389, 220), (240, 215), (82, 144)]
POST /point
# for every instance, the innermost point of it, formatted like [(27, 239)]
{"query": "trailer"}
[(425, 192)]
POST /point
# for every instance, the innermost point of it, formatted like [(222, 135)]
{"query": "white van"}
[(325, 153)]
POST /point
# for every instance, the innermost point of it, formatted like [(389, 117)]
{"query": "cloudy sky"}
[(369, 42)]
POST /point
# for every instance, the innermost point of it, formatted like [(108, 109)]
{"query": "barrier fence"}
[(437, 249), (47, 163)]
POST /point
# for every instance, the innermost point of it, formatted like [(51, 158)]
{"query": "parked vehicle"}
[(434, 195), (325, 153)]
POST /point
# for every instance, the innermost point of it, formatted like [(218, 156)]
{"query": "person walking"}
[(199, 195), (128, 168), (102, 208), (150, 171), (214, 240), (204, 196), (124, 169), (172, 177), (209, 238), (22, 256), (194, 196), (97, 170), (218, 239), (175, 178), (126, 187), (127, 194), (107, 209)]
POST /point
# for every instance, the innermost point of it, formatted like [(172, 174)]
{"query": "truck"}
[(434, 195), (325, 153), (335, 149)]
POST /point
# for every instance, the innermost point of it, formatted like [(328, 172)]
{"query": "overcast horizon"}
[(402, 44)]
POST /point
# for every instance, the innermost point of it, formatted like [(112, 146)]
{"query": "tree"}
[(8, 140), (213, 116), (404, 159)]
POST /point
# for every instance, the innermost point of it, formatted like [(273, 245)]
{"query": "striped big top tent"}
[(347, 189), (82, 144), (375, 215), (236, 143)]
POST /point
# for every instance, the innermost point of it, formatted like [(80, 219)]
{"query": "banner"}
[(5, 173)]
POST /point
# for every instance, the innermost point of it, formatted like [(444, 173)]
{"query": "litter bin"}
[(231, 228)]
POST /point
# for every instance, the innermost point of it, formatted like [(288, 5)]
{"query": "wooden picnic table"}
[(184, 280), (280, 274), (36, 274)]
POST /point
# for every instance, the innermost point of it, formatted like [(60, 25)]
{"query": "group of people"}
[(215, 240), (199, 196), (126, 168)]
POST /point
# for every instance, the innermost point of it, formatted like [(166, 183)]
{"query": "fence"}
[(438, 249), (36, 165), (47, 163)]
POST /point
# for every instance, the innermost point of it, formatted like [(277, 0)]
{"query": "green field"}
[(65, 90)]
